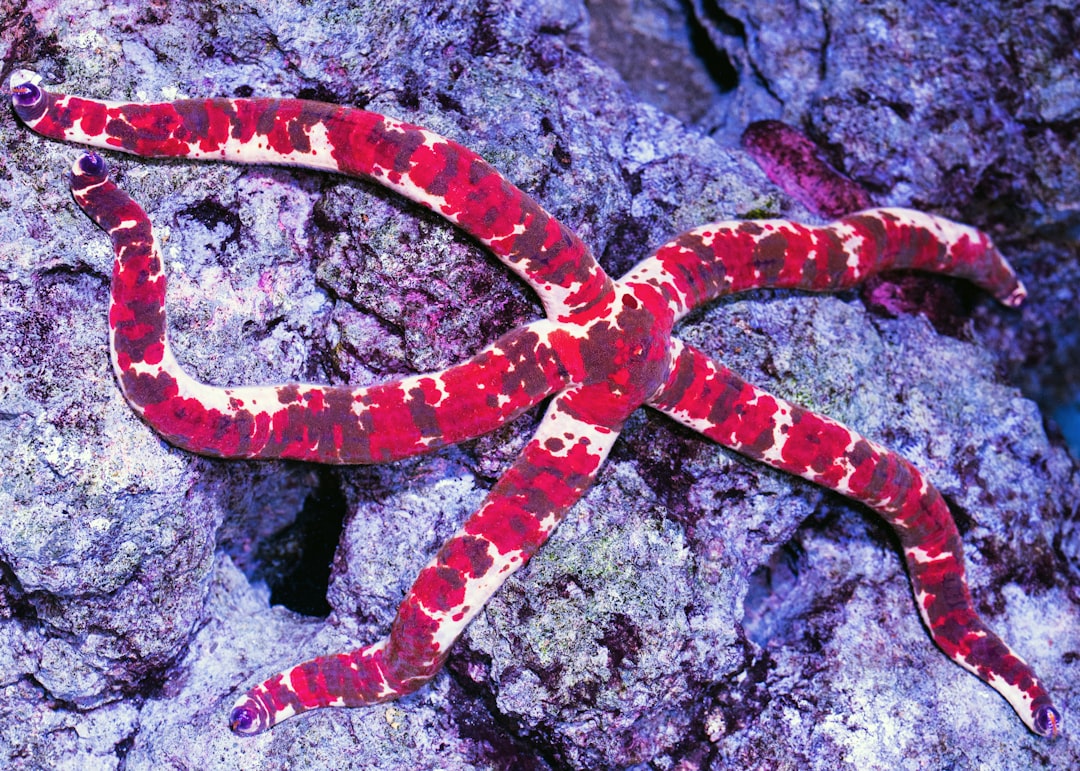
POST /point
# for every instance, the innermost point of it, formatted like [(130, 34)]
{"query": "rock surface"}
[(696, 610)]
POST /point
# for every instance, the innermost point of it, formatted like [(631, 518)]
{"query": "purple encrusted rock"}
[(696, 610)]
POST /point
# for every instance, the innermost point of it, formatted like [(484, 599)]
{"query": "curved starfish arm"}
[(712, 400), (728, 257), (432, 170), (518, 515), (328, 424)]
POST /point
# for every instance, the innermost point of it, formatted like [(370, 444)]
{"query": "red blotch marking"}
[(815, 444), (218, 128), (92, 116), (439, 588), (536, 486), (701, 272), (391, 427), (263, 423), (935, 573), (412, 656), (485, 204), (154, 353), (483, 394), (364, 144), (738, 421), (466, 555), (309, 685), (794, 261), (508, 524), (280, 695), (567, 351), (185, 421), (275, 123), (433, 168), (314, 399)]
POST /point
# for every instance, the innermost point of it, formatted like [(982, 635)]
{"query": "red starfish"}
[(605, 349)]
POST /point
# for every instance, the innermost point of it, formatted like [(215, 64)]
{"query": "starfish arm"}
[(516, 518), (432, 170), (710, 399), (728, 257), (328, 424)]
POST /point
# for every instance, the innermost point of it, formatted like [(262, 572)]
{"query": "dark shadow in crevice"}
[(713, 57), (295, 562)]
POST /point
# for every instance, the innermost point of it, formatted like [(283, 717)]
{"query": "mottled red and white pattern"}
[(605, 349)]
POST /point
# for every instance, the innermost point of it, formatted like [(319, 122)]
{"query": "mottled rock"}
[(969, 109), (696, 610)]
